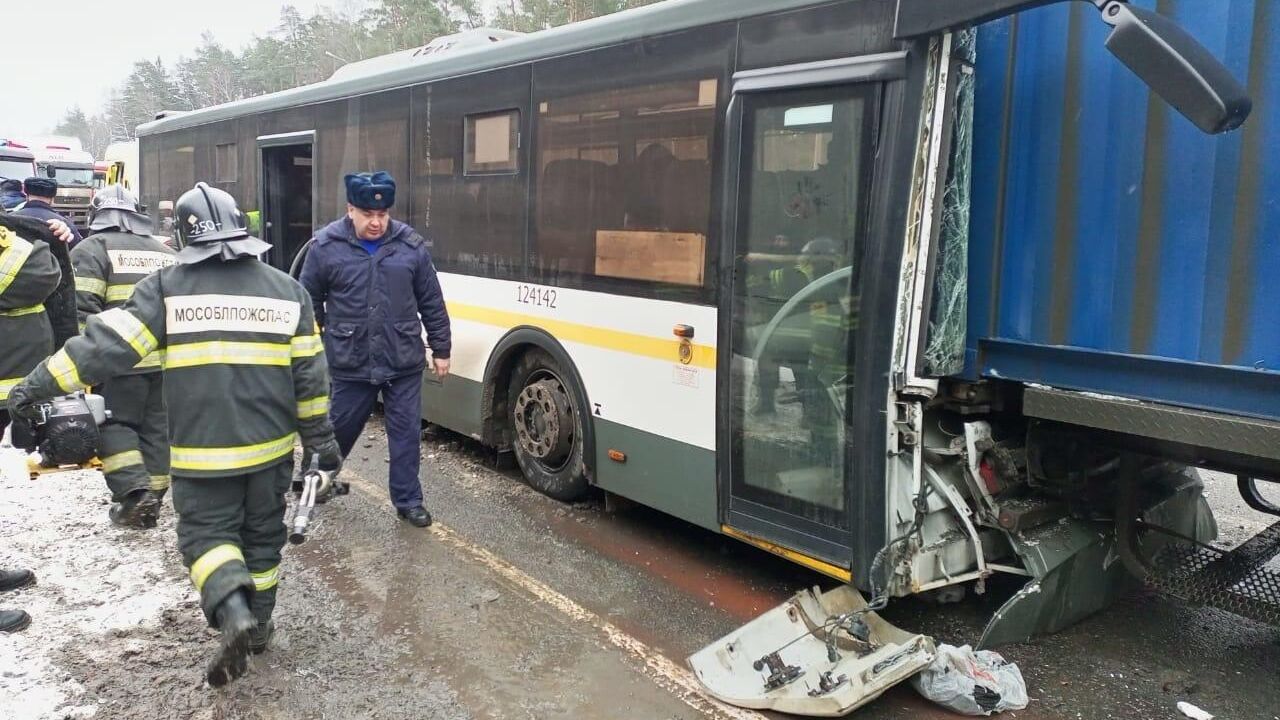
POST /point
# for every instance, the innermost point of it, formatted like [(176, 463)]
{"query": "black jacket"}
[(373, 307), (61, 305), (28, 274)]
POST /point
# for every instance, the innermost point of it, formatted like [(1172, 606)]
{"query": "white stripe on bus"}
[(646, 393)]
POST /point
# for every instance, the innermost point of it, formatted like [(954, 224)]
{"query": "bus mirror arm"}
[(1163, 55)]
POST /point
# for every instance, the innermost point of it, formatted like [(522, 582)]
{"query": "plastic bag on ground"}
[(972, 682)]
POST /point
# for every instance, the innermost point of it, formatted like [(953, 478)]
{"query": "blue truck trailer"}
[(1114, 247)]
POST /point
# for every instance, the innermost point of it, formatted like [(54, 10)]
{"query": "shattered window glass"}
[(944, 352)]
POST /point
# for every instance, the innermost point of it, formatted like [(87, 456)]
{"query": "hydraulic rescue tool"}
[(316, 485)]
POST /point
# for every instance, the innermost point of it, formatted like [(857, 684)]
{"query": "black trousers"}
[(135, 442), (230, 532)]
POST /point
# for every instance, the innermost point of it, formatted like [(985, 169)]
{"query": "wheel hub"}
[(544, 421)]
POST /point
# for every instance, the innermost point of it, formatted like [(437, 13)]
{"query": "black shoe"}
[(13, 620), (417, 516), (15, 579), (261, 636), (232, 657), (139, 509)]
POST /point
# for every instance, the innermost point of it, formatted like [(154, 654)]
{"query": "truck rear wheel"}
[(546, 427)]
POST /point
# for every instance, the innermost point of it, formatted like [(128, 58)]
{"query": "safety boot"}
[(16, 579), (236, 622), (13, 620), (139, 509), (261, 636)]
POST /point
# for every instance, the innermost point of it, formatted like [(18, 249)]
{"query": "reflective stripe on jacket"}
[(108, 265)]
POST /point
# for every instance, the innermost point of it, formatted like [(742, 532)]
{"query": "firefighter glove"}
[(326, 454), (22, 404)]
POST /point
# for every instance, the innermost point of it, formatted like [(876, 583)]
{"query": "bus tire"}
[(546, 427)]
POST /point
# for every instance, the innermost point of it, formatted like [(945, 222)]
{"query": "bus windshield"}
[(71, 176), (15, 168)]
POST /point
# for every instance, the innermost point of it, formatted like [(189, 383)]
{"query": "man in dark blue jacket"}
[(40, 194), (374, 289), (11, 193)]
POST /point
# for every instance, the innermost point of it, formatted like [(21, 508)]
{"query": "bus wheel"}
[(546, 428)]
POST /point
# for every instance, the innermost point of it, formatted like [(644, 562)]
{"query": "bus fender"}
[(501, 361)]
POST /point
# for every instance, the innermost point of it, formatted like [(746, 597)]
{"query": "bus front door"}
[(804, 157)]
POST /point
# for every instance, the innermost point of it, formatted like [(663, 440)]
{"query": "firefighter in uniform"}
[(134, 445), (833, 317), (244, 379), (29, 274)]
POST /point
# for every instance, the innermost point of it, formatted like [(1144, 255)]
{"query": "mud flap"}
[(780, 660), (1076, 568)]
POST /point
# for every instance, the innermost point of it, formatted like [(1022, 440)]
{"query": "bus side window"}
[(624, 183)]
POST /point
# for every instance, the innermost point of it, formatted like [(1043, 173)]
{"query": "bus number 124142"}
[(532, 295)]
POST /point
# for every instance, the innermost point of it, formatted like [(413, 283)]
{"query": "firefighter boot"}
[(232, 657), (261, 636), (139, 509)]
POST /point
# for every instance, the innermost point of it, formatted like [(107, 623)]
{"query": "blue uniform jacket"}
[(42, 210), (9, 201), (369, 305)]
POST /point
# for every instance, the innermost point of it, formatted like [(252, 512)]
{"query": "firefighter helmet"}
[(206, 214), (115, 208), (114, 197)]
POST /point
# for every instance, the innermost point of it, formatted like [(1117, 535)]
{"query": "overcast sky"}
[(66, 52)]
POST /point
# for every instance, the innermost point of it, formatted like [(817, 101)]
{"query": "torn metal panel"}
[(920, 217), (793, 658), (944, 349), (1075, 564)]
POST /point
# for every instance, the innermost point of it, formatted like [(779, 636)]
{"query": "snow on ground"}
[(93, 581)]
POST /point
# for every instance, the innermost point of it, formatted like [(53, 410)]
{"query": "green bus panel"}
[(661, 473)]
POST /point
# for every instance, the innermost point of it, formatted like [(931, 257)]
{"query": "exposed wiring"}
[(879, 595)]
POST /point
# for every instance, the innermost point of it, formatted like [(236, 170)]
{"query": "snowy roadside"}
[(117, 631), (95, 582)]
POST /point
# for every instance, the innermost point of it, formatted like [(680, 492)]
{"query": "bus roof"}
[(656, 19)]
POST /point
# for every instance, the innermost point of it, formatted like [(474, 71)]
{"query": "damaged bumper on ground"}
[(822, 655)]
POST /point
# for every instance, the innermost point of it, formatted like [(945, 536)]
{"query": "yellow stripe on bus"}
[(799, 558), (704, 356)]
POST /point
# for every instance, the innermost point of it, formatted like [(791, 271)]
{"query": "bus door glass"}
[(802, 188)]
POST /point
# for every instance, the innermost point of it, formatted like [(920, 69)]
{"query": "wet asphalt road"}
[(676, 588)]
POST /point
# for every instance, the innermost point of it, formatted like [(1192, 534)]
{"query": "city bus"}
[(709, 257)]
